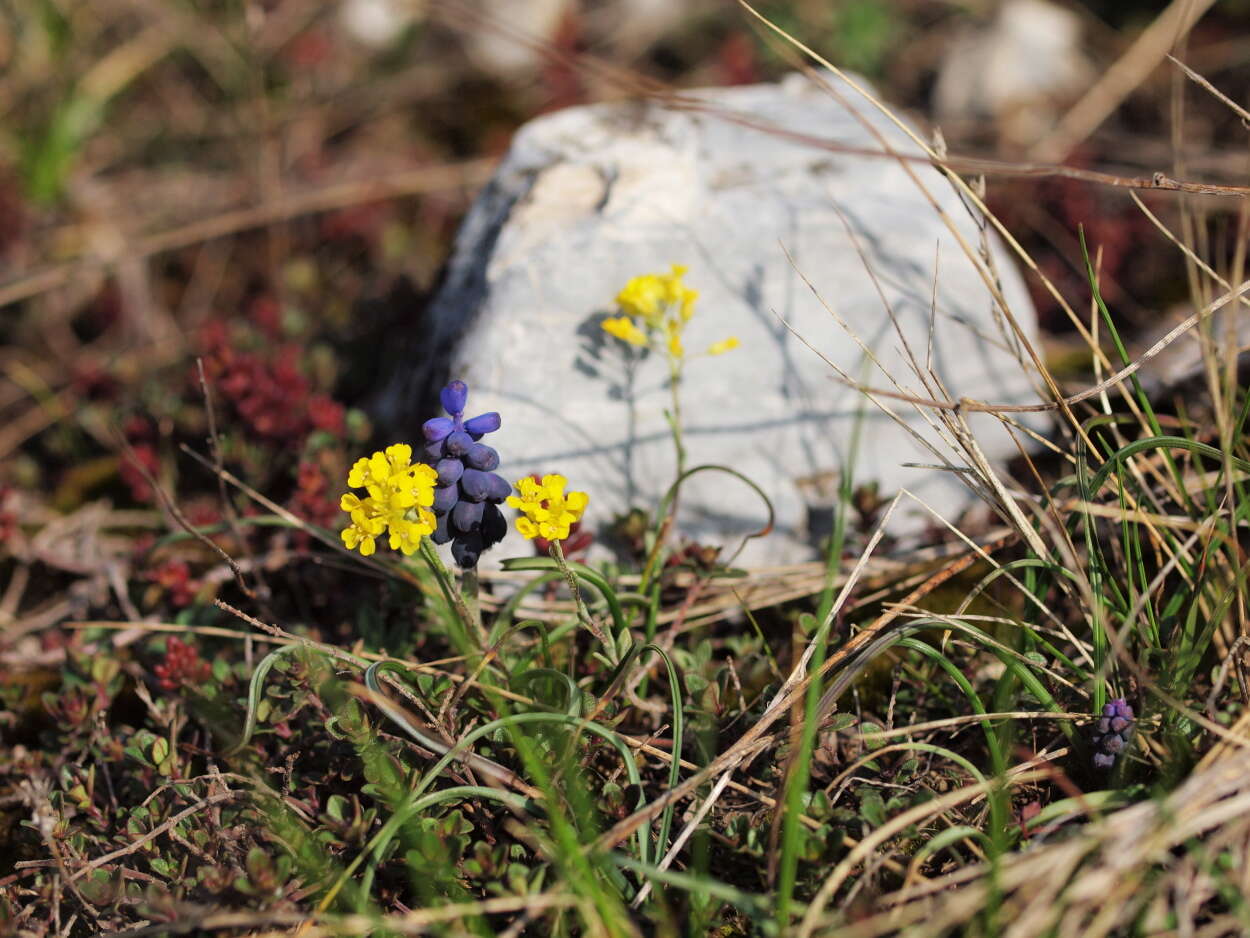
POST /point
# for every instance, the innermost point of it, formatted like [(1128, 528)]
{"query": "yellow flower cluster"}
[(546, 511), (656, 308), (399, 500)]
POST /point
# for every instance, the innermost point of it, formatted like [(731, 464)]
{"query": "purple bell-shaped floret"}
[(454, 397)]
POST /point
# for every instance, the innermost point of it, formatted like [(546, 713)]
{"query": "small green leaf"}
[(868, 728), (872, 807), (840, 721), (159, 751), (336, 807)]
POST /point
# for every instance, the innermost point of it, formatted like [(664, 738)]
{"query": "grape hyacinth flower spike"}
[(1112, 732), (468, 492)]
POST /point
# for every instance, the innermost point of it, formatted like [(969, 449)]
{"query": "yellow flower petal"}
[(358, 476), (625, 330), (379, 468), (400, 455), (687, 303)]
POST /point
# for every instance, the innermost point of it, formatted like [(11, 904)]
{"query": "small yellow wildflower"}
[(546, 511), (647, 297), (366, 524), (656, 308), (624, 329), (399, 500)]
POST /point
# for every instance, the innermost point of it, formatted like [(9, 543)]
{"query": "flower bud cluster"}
[(469, 491), (1112, 732)]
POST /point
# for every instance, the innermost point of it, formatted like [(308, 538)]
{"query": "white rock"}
[(589, 197), (1017, 71), (630, 26), (512, 39), (378, 22)]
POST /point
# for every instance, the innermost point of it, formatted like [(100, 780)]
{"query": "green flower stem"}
[(583, 614), (450, 592), (470, 590), (588, 575), (664, 520), (674, 386), (657, 548)]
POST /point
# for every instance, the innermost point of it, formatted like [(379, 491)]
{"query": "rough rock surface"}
[(590, 197)]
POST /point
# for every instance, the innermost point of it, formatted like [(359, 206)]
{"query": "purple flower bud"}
[(485, 423), (434, 451), (1112, 732), (466, 517), (498, 488), (481, 456), (475, 484), (466, 550), (454, 397), (445, 498), (449, 471), (1118, 708), (457, 444), (436, 428), (442, 534), (494, 525)]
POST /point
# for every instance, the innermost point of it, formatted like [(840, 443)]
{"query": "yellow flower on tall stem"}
[(548, 512), (655, 310)]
